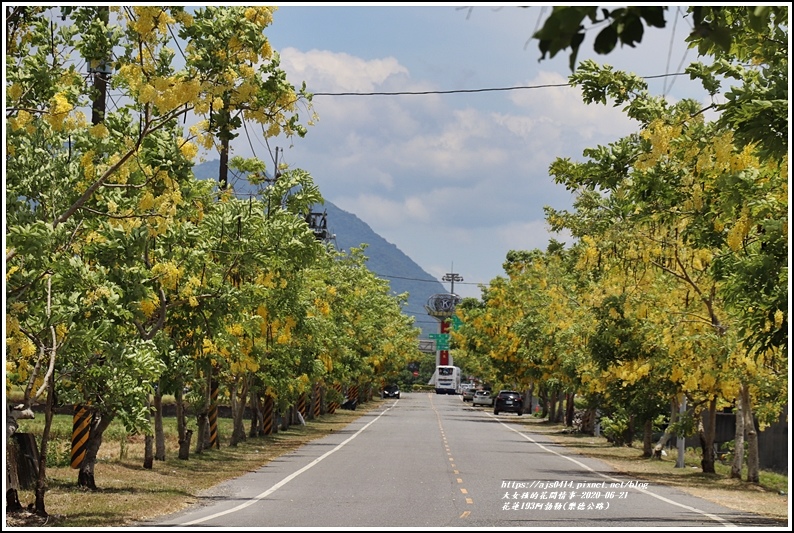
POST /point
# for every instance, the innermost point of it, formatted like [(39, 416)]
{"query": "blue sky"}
[(455, 181)]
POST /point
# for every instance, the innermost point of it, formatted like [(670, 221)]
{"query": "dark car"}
[(390, 391), (509, 401)]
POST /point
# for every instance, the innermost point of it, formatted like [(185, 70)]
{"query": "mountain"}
[(384, 259)]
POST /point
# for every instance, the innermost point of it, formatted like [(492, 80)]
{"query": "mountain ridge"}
[(384, 258)]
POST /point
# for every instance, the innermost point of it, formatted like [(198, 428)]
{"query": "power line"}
[(427, 280), (492, 89)]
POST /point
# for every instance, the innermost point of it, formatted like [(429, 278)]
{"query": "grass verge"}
[(128, 493)]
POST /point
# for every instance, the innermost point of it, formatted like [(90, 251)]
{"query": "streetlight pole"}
[(452, 277)]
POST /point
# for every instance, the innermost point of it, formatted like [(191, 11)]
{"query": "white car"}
[(482, 397)]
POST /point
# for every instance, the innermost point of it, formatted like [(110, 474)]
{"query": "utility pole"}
[(452, 277), (100, 74)]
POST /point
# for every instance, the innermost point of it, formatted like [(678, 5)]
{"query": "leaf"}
[(606, 39)]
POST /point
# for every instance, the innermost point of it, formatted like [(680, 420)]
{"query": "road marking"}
[(649, 493), (469, 501), (464, 491), (465, 514), (290, 477), (460, 480)]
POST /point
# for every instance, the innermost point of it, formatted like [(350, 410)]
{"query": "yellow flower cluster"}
[(22, 120), (150, 20), (58, 112), (149, 306), (738, 232), (188, 149), (261, 16), (99, 131), (96, 294), (660, 135), (235, 329), (168, 273), (322, 306)]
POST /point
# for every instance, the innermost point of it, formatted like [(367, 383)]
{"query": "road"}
[(430, 461)]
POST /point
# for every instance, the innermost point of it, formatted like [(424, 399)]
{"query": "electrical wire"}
[(484, 90)]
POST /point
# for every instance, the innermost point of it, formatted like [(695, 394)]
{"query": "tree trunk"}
[(668, 431), (41, 481), (569, 408), (183, 433), (628, 435), (560, 406), (553, 406), (543, 396), (184, 445), (528, 398), (237, 396), (285, 419), (752, 439), (85, 476), (202, 430), (148, 448), (647, 439), (159, 433), (148, 452), (707, 437), (738, 438), (257, 417)]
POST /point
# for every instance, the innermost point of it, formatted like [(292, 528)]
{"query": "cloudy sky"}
[(454, 180)]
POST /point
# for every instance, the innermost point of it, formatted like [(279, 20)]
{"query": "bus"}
[(447, 379)]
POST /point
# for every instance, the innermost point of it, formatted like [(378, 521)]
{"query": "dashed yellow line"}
[(469, 501)]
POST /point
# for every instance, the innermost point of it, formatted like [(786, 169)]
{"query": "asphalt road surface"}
[(434, 461)]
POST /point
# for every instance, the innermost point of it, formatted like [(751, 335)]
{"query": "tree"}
[(81, 275), (663, 198)]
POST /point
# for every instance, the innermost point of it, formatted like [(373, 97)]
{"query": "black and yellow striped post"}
[(81, 428), (318, 399), (352, 393), (334, 405), (213, 415), (302, 405), (267, 414)]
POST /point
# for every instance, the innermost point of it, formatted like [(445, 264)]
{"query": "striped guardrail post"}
[(317, 401), (81, 428), (267, 414), (302, 405), (334, 405)]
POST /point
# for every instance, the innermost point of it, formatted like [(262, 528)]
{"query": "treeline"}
[(126, 277), (672, 304)]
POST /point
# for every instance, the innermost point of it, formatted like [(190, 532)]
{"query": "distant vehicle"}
[(468, 393), (510, 401), (390, 391), (483, 397), (447, 379)]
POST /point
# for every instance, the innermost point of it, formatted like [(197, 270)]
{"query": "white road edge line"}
[(290, 477), (649, 493)]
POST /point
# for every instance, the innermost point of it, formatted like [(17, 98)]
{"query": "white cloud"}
[(338, 72)]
